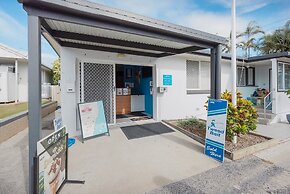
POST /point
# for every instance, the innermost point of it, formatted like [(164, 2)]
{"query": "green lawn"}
[(11, 109)]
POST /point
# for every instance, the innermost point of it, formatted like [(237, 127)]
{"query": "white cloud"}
[(185, 12), (150, 8), (244, 6), (14, 34), (47, 59), (215, 23), (11, 28)]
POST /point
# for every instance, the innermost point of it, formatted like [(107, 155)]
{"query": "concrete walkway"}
[(249, 175), (111, 164), (279, 131), (117, 165), (267, 171)]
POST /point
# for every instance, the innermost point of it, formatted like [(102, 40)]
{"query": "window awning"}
[(87, 25)]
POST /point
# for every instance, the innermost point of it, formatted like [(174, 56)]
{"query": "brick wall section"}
[(18, 123)]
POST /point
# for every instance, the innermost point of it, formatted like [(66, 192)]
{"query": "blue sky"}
[(213, 16)]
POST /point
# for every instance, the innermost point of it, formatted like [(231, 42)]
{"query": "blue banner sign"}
[(167, 80), (216, 129)]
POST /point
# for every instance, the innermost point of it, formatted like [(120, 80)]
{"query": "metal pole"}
[(218, 72), (234, 62), (213, 73), (16, 80), (34, 93)]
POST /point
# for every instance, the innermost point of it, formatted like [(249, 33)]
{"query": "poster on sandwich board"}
[(92, 119), (52, 162), (216, 128)]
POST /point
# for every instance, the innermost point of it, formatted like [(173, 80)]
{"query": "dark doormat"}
[(140, 118), (139, 131)]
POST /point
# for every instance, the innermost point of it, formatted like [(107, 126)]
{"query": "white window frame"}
[(283, 88), (199, 76)]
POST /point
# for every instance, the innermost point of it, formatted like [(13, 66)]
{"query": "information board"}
[(216, 129), (167, 80), (52, 162), (93, 120), (57, 123)]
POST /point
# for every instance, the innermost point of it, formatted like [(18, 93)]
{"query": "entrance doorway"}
[(97, 84), (134, 93)]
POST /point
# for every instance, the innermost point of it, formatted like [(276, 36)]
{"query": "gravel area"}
[(250, 175)]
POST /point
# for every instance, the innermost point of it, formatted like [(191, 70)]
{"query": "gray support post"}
[(34, 92), (218, 72), (212, 73)]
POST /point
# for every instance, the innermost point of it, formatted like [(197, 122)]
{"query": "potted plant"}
[(288, 115)]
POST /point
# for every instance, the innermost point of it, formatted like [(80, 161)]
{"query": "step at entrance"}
[(265, 118)]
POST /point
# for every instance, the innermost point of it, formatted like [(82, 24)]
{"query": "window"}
[(241, 76), (204, 75), (250, 76), (283, 76), (245, 76), (192, 74), (11, 69)]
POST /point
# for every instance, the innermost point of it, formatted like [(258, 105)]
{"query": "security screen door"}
[(97, 83)]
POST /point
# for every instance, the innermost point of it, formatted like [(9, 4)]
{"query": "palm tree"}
[(227, 47), (279, 41), (249, 35)]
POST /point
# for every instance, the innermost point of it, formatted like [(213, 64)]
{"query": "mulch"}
[(244, 141)]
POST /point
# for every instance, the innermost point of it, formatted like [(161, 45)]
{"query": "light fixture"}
[(121, 55)]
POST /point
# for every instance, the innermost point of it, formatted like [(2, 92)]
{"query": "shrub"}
[(241, 119), (288, 93), (191, 123)]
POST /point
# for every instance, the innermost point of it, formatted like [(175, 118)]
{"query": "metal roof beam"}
[(45, 27), (111, 41), (108, 49), (114, 25)]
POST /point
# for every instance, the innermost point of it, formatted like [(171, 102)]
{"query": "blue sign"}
[(216, 129), (167, 80)]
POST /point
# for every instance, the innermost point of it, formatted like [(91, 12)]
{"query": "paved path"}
[(279, 131), (115, 165), (249, 175), (111, 164), (14, 160)]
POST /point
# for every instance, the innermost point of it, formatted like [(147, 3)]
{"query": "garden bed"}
[(247, 144)]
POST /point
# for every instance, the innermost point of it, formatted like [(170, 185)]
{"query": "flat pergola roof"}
[(86, 25)]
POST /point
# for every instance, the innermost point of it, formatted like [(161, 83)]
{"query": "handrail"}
[(267, 105)]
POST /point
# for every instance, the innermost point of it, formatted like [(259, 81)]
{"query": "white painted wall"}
[(23, 82), (6, 93), (69, 59), (11, 86), (281, 102), (173, 104), (7, 79), (262, 76), (176, 103)]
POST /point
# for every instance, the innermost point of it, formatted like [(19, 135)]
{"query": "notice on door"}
[(216, 129)]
